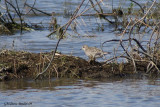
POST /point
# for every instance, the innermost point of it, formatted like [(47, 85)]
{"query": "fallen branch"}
[(61, 37), (39, 10)]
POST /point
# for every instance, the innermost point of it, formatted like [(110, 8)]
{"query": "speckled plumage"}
[(93, 52)]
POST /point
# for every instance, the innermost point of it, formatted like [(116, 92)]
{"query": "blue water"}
[(82, 93), (87, 27)]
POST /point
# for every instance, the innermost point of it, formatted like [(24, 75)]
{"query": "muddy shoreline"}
[(20, 64)]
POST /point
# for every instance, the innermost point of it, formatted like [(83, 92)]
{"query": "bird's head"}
[(84, 47)]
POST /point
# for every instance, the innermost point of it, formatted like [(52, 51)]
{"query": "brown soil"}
[(16, 65)]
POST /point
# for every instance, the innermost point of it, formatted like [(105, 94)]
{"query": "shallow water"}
[(88, 28), (68, 92), (82, 93)]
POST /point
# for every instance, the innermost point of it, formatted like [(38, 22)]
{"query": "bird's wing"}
[(94, 49)]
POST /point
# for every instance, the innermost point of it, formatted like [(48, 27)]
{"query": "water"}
[(88, 28), (82, 93), (68, 92), (36, 41)]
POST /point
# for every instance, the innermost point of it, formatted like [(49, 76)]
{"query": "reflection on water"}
[(36, 41), (69, 92)]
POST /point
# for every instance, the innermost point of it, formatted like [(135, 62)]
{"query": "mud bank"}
[(17, 65)]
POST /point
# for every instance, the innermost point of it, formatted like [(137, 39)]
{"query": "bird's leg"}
[(91, 60)]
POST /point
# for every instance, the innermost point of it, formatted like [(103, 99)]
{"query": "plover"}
[(93, 52)]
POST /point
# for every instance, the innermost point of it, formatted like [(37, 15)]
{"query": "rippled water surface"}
[(82, 93), (88, 28)]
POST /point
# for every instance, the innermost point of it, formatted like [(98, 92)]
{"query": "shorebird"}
[(93, 52)]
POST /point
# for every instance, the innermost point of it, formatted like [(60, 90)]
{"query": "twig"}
[(55, 70), (31, 7), (75, 18), (98, 14), (138, 5), (19, 14), (116, 57), (9, 12), (61, 37), (99, 6), (39, 10), (118, 40), (93, 6)]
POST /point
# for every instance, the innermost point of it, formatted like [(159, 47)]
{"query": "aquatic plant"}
[(131, 24), (130, 27), (12, 16)]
